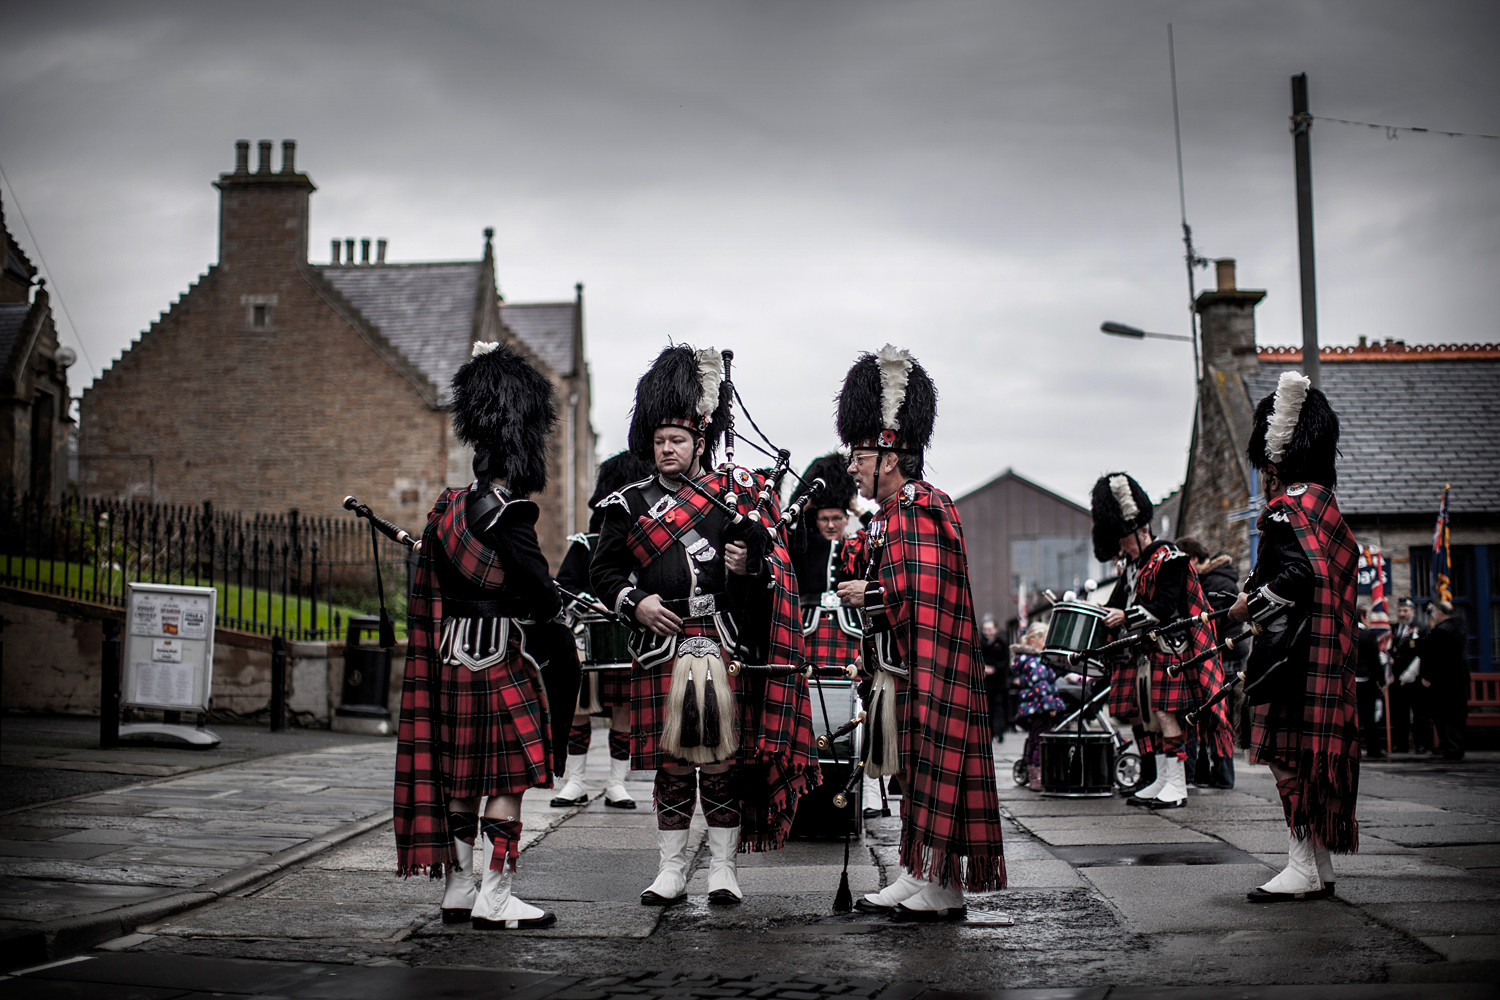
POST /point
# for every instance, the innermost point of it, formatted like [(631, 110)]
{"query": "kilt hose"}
[(482, 750)]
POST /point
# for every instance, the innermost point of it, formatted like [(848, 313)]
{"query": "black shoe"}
[(1324, 893), (1136, 800), (723, 897), (455, 915), (615, 803), (547, 919), (1259, 895), (903, 914), (649, 898), (1166, 804), (877, 813), (863, 905), (562, 803)]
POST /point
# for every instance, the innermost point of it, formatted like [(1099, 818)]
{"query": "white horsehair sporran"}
[(700, 724)]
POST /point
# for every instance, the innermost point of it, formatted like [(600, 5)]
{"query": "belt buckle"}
[(701, 605), (830, 600)]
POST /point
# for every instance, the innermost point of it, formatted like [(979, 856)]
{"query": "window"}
[(260, 316), (260, 313)]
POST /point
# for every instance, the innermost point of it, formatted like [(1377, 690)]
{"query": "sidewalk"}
[(85, 869), (1101, 893)]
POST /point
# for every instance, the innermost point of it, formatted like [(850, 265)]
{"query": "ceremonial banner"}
[(1442, 586)]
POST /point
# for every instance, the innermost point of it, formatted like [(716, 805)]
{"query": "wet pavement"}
[(1102, 895)]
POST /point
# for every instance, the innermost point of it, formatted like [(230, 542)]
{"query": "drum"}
[(604, 645), (1075, 627), (1078, 766), (842, 700)]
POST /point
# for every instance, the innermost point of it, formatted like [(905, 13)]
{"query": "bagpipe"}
[(1146, 634)]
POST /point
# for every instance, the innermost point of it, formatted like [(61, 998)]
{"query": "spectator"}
[(1408, 712), (1445, 676), (1369, 675), (1220, 587), (1039, 703), (996, 677)]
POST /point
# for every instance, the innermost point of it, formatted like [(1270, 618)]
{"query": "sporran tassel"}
[(692, 719)]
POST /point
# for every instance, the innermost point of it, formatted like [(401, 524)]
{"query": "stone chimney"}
[(263, 215), (1228, 317)]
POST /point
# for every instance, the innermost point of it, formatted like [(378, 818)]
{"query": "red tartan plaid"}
[(614, 687), (950, 828), (651, 536), (827, 644), (773, 715), (490, 728), (854, 556), (1122, 703), (1321, 747), (423, 753)]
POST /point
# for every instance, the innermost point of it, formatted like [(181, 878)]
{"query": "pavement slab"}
[(382, 920), (1185, 898)]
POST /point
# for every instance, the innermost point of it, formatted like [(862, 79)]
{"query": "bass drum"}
[(1078, 766), (605, 644)]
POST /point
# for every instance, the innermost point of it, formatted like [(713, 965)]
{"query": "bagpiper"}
[(707, 585), (929, 717), (825, 553), (1300, 675), (474, 719)]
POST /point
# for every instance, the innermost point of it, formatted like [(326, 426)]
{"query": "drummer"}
[(1160, 586), (603, 692)]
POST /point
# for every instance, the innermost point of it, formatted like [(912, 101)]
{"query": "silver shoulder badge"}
[(908, 494), (743, 478), (615, 499), (1296, 489), (1281, 515)]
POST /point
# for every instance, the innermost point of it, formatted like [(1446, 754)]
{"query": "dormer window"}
[(259, 313)]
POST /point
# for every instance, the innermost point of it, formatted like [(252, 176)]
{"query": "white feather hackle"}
[(1291, 392), (710, 374), (1120, 487), (483, 347), (895, 369)]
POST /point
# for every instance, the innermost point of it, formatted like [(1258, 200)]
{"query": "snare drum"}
[(842, 699), (605, 644), (1076, 627)]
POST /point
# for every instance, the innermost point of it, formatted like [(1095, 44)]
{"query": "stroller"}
[(1127, 767)]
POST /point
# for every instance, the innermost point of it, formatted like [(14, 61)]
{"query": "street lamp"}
[(1121, 330)]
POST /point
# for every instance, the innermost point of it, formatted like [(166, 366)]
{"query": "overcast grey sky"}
[(984, 182)]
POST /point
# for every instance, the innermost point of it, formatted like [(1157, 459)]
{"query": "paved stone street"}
[(1101, 894)]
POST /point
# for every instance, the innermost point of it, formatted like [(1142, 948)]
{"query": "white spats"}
[(497, 908), (1120, 487), (1298, 880), (614, 790), (573, 791), (710, 375), (723, 883), (895, 367), (905, 887), (1173, 793), (459, 888), (933, 903), (1291, 392), (483, 347), (671, 874)]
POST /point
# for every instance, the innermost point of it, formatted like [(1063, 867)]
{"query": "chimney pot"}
[(349, 251), (1224, 268), (489, 234), (289, 156), (364, 251), (265, 157), (242, 156), (335, 251), (380, 252)]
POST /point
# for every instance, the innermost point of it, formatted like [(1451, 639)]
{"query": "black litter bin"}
[(367, 673)]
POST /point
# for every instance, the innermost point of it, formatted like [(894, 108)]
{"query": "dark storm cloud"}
[(982, 182)]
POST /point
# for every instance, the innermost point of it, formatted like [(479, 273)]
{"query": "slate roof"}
[(546, 328), (426, 311), (12, 320), (1408, 427)]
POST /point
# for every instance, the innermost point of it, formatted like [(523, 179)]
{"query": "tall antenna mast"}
[(1193, 260)]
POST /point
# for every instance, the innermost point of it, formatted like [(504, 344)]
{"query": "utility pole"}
[(1301, 127)]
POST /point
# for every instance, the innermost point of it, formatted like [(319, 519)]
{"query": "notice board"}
[(168, 660)]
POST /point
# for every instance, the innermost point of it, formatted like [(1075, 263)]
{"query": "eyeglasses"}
[(856, 459)]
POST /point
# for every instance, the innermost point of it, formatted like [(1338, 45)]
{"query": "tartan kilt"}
[(613, 685), (827, 645), (648, 708), (1276, 735), (1168, 693), (481, 749), (1122, 703)]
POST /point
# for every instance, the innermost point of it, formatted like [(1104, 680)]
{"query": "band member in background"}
[(1445, 677), (824, 555), (1408, 716), (930, 718), (1221, 586), (1160, 586), (603, 692), (1302, 596), (705, 588), (474, 718)]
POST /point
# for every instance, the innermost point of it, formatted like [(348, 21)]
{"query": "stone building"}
[(1412, 419), (274, 383), (35, 419)]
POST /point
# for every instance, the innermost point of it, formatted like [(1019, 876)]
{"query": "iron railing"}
[(277, 574)]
